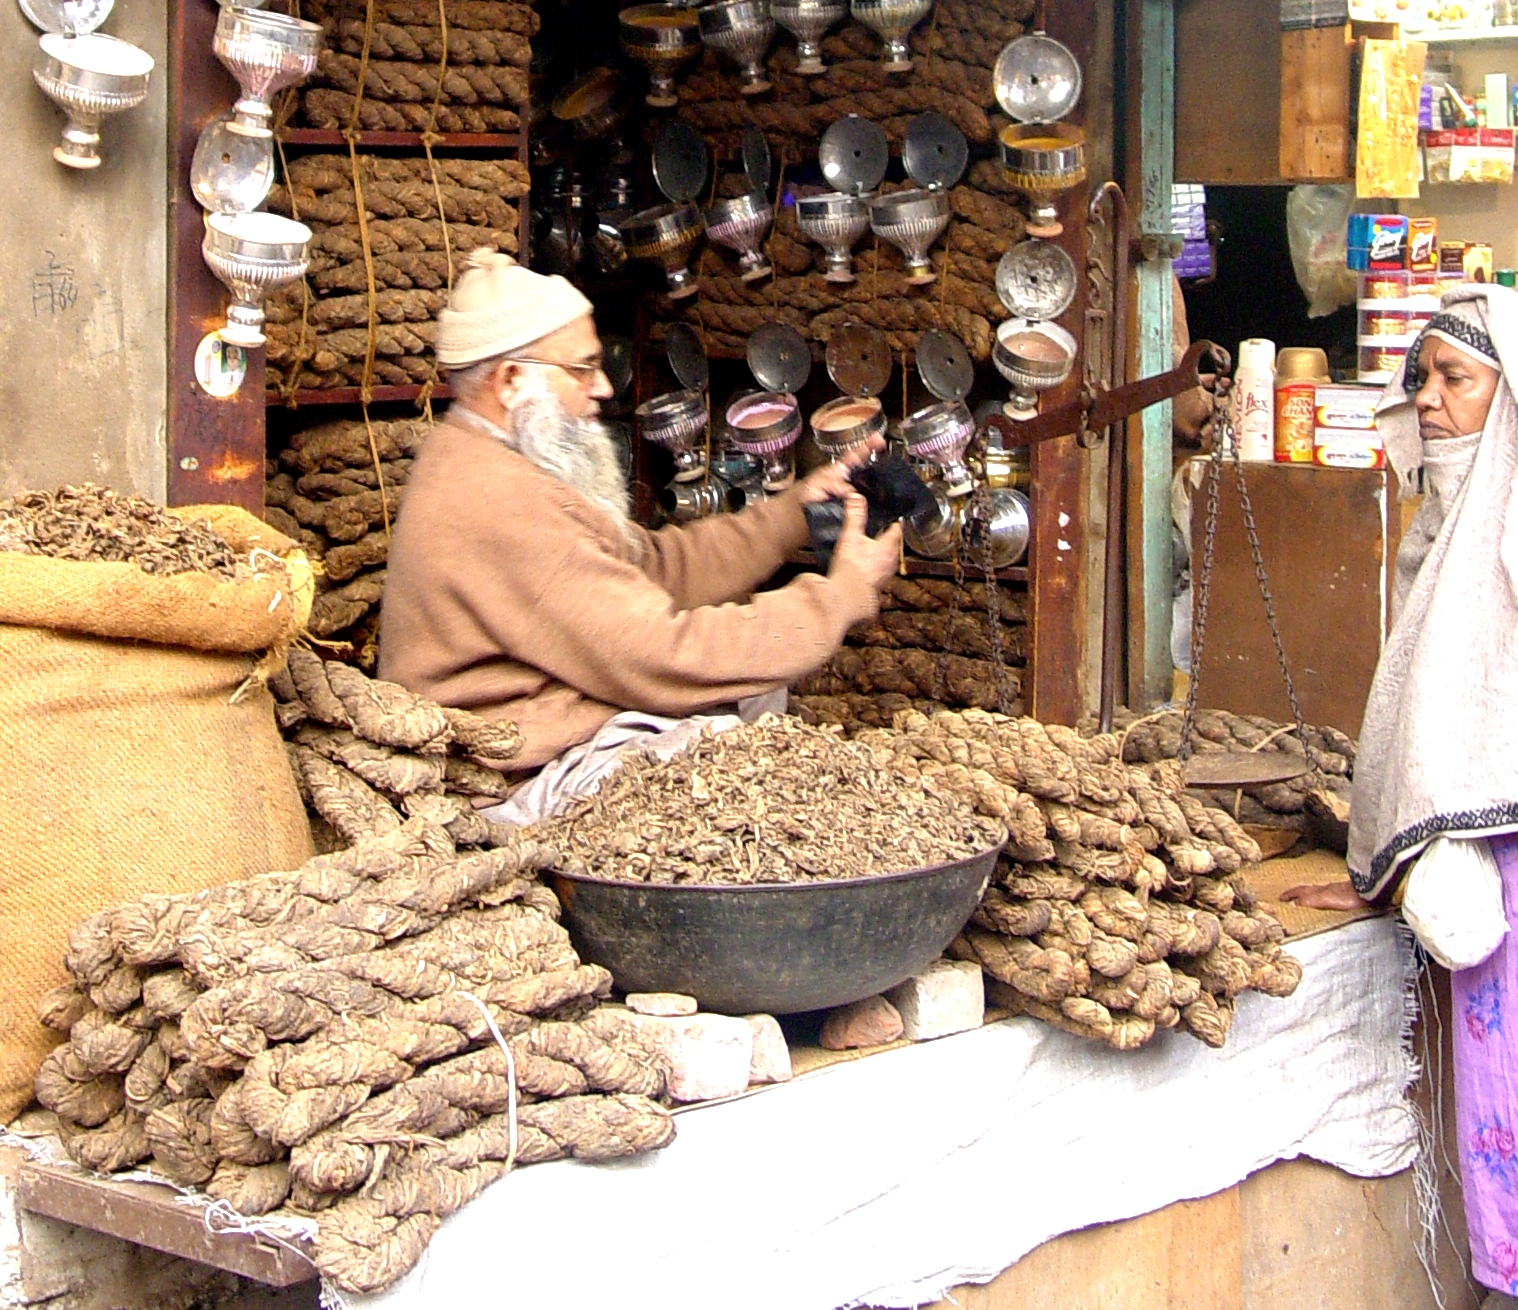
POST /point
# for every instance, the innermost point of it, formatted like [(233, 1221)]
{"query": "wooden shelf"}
[(933, 568), (321, 136), (1464, 36), (354, 396), (153, 1216)]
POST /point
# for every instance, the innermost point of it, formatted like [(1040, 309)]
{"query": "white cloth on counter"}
[(888, 1180)]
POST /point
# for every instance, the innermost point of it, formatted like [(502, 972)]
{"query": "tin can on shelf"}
[(1381, 322), (1299, 371), (1383, 286)]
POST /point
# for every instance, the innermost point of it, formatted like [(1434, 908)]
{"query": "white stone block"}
[(771, 1061), (949, 996), (663, 1005), (712, 1054)]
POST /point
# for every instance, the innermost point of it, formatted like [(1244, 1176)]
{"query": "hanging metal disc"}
[(1233, 769), (934, 151), (779, 358), (944, 365), (859, 360), (757, 164), (682, 347), (1036, 79), (78, 18), (617, 363), (681, 161), (854, 155), (1036, 279)]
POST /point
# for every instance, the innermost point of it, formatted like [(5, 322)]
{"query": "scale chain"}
[(1224, 437)]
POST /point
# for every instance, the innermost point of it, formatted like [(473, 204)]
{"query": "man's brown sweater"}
[(510, 594)]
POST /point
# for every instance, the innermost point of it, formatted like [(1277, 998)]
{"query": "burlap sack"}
[(125, 768)]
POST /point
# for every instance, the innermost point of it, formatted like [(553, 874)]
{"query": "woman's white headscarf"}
[(1438, 751)]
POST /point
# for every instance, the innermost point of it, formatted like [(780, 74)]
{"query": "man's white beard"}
[(577, 451)]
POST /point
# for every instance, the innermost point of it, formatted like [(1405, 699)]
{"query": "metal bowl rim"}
[(815, 884)]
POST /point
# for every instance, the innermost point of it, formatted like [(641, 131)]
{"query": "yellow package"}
[(1387, 163)]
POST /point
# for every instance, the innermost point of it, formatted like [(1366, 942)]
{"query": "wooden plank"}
[(155, 1217), (353, 395), (1152, 110), (1315, 79), (1187, 1256), (216, 447), (1325, 539), (1057, 551), (321, 136), (1227, 91)]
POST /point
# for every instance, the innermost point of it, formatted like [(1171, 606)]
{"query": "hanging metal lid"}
[(1036, 79), (1036, 279), (779, 358), (617, 363), (859, 360), (854, 155), (75, 19), (944, 365), (682, 347), (681, 161), (934, 151), (757, 163)]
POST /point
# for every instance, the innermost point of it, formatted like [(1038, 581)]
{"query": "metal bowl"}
[(1033, 357), (849, 421), (912, 221), (835, 222), (1042, 161), (767, 424), (808, 21), (666, 235), (892, 21), (740, 224), (998, 528), (594, 104), (775, 948), (938, 434), (664, 39), (266, 53), (742, 30), (89, 77), (677, 421)]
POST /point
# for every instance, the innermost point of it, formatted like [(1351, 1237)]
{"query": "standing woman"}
[(1434, 819)]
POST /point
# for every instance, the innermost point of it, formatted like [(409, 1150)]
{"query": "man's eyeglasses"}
[(580, 372)]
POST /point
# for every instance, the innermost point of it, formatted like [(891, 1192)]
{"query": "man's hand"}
[(876, 558), (1325, 896), (831, 481)]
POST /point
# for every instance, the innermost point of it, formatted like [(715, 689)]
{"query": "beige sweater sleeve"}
[(724, 557), (604, 626)]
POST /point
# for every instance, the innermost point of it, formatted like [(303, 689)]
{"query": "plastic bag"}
[(1453, 902), (1316, 219)]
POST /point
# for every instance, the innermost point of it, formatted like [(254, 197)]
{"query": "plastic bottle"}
[(1254, 415)]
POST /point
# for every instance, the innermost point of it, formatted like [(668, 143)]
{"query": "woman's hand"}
[(831, 481), (1325, 896)]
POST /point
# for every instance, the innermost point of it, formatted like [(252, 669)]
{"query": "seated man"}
[(519, 588)]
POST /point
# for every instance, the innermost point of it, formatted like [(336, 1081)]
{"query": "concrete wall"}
[(82, 287)]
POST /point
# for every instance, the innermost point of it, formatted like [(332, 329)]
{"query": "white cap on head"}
[(497, 306)]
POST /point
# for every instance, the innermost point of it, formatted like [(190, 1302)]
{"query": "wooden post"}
[(1151, 51), (216, 446), (1057, 556)]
